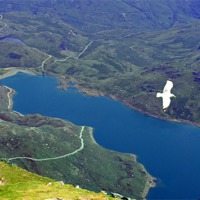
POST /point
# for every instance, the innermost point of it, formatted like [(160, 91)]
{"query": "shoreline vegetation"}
[(63, 85), (11, 71), (124, 102), (150, 183)]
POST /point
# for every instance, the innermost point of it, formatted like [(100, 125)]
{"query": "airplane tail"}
[(159, 94)]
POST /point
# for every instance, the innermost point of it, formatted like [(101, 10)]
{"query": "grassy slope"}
[(18, 184)]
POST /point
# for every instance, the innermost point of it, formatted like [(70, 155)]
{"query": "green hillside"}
[(18, 184), (109, 52)]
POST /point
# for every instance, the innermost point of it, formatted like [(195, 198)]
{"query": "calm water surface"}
[(13, 40), (169, 151)]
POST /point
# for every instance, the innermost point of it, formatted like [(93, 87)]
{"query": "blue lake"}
[(13, 40), (169, 151)]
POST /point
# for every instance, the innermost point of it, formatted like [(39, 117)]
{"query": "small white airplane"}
[(166, 95)]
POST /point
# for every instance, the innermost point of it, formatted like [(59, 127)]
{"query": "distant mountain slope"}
[(92, 43), (93, 16)]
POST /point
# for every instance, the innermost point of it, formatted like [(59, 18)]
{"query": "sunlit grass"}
[(16, 183)]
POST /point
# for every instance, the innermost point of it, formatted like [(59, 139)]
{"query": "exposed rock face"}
[(2, 181)]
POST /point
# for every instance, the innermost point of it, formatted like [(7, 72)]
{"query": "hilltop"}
[(16, 183)]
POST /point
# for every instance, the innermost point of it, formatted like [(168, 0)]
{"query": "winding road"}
[(63, 60), (54, 158), (43, 159), (49, 56), (84, 49), (42, 66), (10, 100), (10, 107), (1, 17), (9, 97)]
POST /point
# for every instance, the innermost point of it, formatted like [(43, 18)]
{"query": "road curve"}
[(9, 97), (53, 158), (1, 17)]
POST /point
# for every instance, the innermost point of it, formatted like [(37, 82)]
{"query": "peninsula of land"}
[(62, 145)]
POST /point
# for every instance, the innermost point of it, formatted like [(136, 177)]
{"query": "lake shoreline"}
[(63, 86), (143, 142), (11, 71), (124, 102), (150, 180)]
